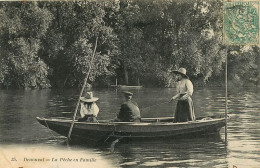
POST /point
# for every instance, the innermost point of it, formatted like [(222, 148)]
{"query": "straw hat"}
[(181, 71), (89, 97)]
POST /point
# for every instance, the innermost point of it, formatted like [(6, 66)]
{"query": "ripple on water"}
[(128, 163), (161, 163), (243, 127)]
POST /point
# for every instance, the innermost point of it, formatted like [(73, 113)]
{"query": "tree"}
[(71, 38), (21, 30), (49, 44)]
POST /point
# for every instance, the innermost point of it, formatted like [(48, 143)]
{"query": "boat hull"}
[(103, 131)]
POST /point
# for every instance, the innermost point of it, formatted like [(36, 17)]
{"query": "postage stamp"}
[(241, 22)]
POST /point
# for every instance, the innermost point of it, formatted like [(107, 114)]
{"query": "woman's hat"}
[(89, 97), (127, 93), (181, 71)]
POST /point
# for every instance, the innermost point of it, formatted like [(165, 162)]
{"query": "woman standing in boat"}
[(184, 109), (89, 109)]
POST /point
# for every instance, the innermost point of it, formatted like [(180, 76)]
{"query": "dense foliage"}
[(49, 44)]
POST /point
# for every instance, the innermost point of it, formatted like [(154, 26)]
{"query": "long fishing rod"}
[(154, 105), (83, 87)]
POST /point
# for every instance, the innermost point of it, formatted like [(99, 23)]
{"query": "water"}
[(22, 136)]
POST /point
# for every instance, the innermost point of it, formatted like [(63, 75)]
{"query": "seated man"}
[(129, 111)]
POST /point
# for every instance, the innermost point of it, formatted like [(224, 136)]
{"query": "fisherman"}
[(184, 109), (129, 111), (89, 109)]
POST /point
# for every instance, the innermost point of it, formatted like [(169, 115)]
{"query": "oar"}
[(83, 87), (112, 146)]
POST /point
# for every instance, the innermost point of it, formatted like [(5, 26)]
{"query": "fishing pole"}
[(81, 92), (155, 105)]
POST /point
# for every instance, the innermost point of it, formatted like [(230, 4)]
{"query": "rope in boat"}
[(154, 105), (50, 130)]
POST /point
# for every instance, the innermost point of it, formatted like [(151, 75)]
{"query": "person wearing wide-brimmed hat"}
[(129, 111), (89, 109), (184, 109)]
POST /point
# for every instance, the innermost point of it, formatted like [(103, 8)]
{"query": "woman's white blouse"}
[(185, 86), (91, 111)]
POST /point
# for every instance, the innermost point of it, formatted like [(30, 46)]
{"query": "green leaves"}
[(21, 31), (49, 44)]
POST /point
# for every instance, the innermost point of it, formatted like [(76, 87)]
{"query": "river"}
[(22, 137)]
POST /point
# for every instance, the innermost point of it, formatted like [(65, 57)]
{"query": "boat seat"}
[(162, 119)]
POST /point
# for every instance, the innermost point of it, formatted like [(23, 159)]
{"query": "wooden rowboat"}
[(148, 128), (127, 86)]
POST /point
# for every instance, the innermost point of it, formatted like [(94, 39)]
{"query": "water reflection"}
[(172, 153), (18, 126)]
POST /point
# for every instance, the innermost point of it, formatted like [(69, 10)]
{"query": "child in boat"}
[(89, 109), (129, 111), (184, 109)]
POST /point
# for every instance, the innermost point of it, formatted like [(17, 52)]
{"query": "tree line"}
[(49, 44)]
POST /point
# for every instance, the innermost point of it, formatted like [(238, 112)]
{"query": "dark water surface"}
[(20, 130)]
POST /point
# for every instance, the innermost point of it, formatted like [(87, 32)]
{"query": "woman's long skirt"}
[(184, 111)]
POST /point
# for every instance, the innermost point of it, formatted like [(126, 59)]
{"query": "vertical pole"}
[(116, 81), (226, 95), (82, 89)]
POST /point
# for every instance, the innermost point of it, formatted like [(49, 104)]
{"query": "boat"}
[(127, 86), (148, 128)]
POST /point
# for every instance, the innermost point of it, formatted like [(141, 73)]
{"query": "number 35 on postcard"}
[(241, 22)]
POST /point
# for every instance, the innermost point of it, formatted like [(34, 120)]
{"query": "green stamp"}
[(241, 22)]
